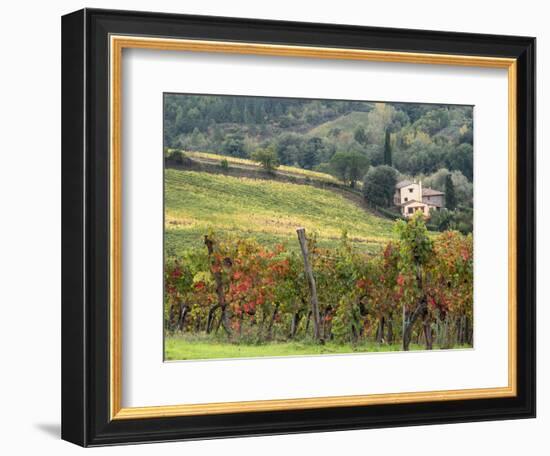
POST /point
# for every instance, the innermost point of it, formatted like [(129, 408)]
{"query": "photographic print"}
[(313, 226), (293, 201)]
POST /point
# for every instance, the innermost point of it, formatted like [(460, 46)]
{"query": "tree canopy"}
[(450, 197), (379, 185), (267, 158), (349, 166), (415, 139)]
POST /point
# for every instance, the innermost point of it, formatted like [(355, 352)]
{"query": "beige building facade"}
[(411, 197)]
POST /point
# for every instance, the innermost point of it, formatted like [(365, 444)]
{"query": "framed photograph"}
[(278, 227)]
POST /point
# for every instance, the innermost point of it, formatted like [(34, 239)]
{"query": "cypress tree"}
[(450, 196), (360, 136), (387, 148)]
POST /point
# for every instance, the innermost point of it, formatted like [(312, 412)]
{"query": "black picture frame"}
[(85, 228)]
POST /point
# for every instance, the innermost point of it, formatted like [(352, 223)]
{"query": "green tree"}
[(360, 136), (433, 121), (450, 196), (462, 159), (464, 189), (308, 156), (349, 166), (233, 145), (288, 147), (358, 165), (464, 219), (379, 185), (442, 219), (267, 157), (387, 149)]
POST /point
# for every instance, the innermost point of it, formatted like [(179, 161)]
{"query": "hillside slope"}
[(269, 211), (206, 157), (348, 122)]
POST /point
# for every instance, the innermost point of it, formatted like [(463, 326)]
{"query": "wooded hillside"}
[(307, 133)]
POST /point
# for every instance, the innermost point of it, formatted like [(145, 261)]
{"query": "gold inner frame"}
[(117, 44)]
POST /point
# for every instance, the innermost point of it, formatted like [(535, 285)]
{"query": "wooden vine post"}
[(312, 286), (219, 289)]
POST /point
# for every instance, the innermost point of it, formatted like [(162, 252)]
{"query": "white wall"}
[(30, 226)]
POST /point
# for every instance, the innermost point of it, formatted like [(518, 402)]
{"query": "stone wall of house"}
[(438, 200)]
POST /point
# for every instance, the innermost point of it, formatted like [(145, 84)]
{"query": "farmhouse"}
[(410, 197)]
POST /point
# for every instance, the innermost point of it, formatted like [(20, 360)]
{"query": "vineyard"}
[(264, 268), (266, 210), (291, 170), (282, 235)]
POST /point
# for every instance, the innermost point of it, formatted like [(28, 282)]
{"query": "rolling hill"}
[(347, 122), (206, 157), (267, 210)]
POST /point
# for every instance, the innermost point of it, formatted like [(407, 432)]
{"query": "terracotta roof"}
[(403, 183), (427, 191)]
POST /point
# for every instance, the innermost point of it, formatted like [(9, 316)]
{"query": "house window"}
[(411, 210), (406, 199), (410, 190)]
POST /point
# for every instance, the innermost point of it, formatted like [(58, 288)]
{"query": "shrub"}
[(177, 156), (389, 213)]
